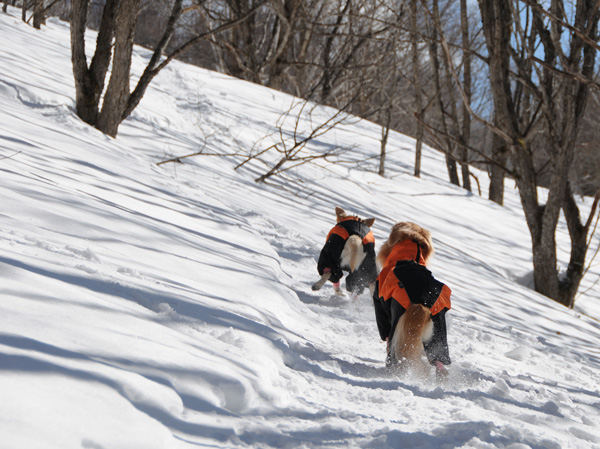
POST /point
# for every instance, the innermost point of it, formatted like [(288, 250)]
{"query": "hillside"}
[(169, 306)]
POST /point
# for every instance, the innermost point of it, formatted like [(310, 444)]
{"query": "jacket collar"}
[(405, 250)]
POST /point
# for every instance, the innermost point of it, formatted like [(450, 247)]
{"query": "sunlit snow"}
[(169, 306)]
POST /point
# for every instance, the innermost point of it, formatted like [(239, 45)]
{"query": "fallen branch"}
[(199, 153)]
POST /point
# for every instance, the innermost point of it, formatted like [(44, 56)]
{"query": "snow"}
[(169, 306)]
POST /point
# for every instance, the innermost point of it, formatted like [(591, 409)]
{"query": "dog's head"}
[(341, 215), (406, 230)]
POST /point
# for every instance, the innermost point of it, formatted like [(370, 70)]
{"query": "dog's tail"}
[(413, 328), (356, 251)]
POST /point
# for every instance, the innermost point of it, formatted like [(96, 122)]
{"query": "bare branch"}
[(10, 156)]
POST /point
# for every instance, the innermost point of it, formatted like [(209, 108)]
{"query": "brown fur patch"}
[(407, 343)]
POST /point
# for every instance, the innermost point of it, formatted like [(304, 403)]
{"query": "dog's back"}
[(413, 328)]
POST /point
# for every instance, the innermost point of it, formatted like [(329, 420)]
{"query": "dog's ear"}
[(369, 222), (397, 233), (340, 213)]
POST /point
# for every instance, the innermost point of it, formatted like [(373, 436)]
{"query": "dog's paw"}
[(321, 282), (441, 373), (317, 286)]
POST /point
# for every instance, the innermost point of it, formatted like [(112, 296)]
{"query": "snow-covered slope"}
[(169, 306)]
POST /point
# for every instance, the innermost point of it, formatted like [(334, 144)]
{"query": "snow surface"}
[(169, 306)]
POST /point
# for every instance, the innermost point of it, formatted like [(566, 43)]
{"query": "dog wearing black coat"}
[(410, 304), (350, 246)]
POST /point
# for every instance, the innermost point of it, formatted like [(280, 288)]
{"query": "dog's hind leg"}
[(321, 282)]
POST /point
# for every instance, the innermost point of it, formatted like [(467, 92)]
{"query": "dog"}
[(410, 304), (350, 246)]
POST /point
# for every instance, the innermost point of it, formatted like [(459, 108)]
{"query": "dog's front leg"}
[(321, 282)]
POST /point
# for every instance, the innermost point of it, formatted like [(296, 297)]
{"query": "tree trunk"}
[(153, 66), (465, 137), (38, 14), (496, 170), (89, 81), (385, 132), (118, 90), (86, 88), (435, 63), (417, 88), (578, 233)]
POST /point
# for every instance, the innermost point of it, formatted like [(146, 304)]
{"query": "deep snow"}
[(169, 306)]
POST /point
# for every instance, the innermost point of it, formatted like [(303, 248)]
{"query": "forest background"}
[(507, 86)]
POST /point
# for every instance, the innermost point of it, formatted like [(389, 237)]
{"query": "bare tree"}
[(544, 99), (440, 84), (291, 145), (93, 81)]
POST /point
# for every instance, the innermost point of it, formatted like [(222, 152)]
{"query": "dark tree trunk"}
[(497, 171), (417, 88), (6, 3), (38, 14), (89, 81), (437, 79), (153, 66), (569, 284), (87, 90), (465, 137), (117, 92)]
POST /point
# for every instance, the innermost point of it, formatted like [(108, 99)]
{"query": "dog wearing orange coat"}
[(410, 304), (350, 246)]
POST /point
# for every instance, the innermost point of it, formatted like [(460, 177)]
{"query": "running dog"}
[(350, 246), (410, 304)]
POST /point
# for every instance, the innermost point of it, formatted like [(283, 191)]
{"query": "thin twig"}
[(11, 156), (199, 153)]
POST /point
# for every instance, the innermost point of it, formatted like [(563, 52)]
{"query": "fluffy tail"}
[(353, 252), (414, 327)]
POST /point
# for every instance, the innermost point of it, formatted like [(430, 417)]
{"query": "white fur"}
[(427, 332), (348, 253)]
